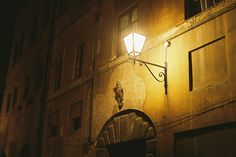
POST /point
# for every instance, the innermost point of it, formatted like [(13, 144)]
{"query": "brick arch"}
[(126, 126)]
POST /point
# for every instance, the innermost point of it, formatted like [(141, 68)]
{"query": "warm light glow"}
[(138, 42), (134, 43), (129, 43)]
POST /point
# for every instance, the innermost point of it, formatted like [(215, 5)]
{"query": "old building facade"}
[(73, 91)]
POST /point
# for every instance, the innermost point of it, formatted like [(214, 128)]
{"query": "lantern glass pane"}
[(138, 42), (129, 43)]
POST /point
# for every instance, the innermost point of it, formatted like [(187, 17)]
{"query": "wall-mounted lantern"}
[(134, 43)]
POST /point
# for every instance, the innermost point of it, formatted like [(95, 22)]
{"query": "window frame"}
[(50, 127), (71, 118), (195, 7), (190, 58), (78, 67), (58, 71), (131, 24)]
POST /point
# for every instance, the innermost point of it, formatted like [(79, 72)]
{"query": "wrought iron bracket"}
[(162, 76)]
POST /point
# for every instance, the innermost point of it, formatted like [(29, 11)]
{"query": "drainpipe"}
[(166, 45), (96, 49), (43, 107)]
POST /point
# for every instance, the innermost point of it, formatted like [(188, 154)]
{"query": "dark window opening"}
[(76, 123), (78, 61), (134, 148), (75, 116), (58, 72), (127, 23), (193, 7), (213, 141), (53, 120), (53, 131)]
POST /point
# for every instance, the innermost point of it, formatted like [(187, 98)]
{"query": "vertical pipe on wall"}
[(95, 50), (42, 114)]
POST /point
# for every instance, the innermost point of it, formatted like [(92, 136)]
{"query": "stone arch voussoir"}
[(125, 126)]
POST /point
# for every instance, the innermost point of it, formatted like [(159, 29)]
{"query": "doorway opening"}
[(134, 148), (129, 133)]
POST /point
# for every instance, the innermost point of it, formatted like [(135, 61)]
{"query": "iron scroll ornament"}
[(162, 75)]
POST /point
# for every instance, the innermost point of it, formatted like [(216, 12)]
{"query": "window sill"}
[(191, 23), (210, 86), (210, 13)]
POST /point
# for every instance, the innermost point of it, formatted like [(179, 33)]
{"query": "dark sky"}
[(7, 19)]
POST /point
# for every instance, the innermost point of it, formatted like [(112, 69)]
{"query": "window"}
[(8, 103), (58, 72), (127, 23), (26, 88), (15, 95), (75, 116), (53, 122), (193, 7), (78, 61), (208, 64), (213, 141)]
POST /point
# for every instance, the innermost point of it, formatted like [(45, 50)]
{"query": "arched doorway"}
[(126, 134)]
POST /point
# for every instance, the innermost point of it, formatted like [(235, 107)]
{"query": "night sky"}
[(7, 18)]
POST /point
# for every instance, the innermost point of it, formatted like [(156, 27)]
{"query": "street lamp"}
[(134, 43)]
